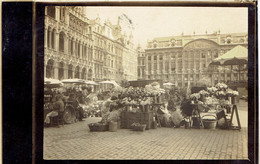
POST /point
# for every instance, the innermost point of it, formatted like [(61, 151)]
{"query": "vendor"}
[(57, 107), (75, 103)]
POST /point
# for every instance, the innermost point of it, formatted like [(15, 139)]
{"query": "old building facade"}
[(185, 59), (77, 47)]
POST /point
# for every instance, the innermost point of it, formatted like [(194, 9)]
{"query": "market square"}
[(113, 91)]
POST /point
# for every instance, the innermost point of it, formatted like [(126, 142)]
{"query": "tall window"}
[(77, 72), (70, 72), (52, 39), (51, 11), (62, 14), (61, 71), (71, 47), (61, 41), (49, 69), (78, 50)]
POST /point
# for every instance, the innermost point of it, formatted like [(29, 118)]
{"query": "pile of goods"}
[(209, 98)]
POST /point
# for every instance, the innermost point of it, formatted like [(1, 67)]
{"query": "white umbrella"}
[(91, 83), (106, 82), (78, 81), (51, 81), (168, 84)]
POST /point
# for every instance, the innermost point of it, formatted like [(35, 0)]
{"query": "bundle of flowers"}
[(113, 116), (154, 89), (232, 93), (195, 96), (220, 94), (212, 90), (211, 100), (204, 93), (221, 86)]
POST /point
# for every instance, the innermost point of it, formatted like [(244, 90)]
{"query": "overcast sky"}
[(150, 22)]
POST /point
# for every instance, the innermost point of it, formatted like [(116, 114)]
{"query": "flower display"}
[(232, 93), (204, 93), (195, 96), (212, 90), (221, 86)]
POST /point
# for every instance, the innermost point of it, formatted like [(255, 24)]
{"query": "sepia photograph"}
[(145, 83)]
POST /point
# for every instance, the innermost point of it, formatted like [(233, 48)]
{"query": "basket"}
[(139, 127), (96, 127), (209, 123)]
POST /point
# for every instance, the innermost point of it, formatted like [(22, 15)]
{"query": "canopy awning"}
[(91, 83), (236, 56), (75, 81)]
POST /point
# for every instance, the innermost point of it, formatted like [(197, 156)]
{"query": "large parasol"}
[(168, 84), (52, 83), (74, 81), (106, 82), (237, 56), (91, 83)]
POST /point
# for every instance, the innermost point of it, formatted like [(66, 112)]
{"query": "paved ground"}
[(74, 141)]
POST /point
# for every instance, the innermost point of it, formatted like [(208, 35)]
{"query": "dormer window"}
[(229, 40), (172, 42), (155, 44)]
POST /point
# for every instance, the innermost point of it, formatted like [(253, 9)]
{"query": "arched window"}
[(83, 73), (53, 38), (71, 46), (48, 38), (62, 14), (78, 50), (77, 72), (61, 71), (51, 11), (61, 41), (49, 69), (90, 74), (70, 72)]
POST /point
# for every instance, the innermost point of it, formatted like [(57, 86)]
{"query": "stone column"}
[(49, 33), (57, 11), (163, 64), (57, 42), (158, 65), (45, 37)]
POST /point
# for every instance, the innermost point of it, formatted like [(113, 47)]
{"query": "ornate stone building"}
[(141, 64), (76, 47), (185, 59)]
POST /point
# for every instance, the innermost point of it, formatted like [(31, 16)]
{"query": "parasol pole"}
[(231, 73)]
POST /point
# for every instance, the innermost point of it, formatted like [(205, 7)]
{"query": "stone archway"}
[(90, 72), (77, 72), (70, 71), (83, 73), (61, 71), (50, 69)]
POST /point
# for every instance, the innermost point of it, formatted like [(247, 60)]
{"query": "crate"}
[(128, 118), (98, 127)]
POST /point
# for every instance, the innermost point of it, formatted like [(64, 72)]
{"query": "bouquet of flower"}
[(220, 94), (232, 93), (212, 90), (221, 86), (204, 93), (195, 96)]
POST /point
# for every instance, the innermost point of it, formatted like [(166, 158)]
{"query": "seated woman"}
[(58, 106), (74, 102)]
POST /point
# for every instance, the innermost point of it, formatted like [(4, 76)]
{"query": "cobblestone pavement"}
[(74, 141)]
